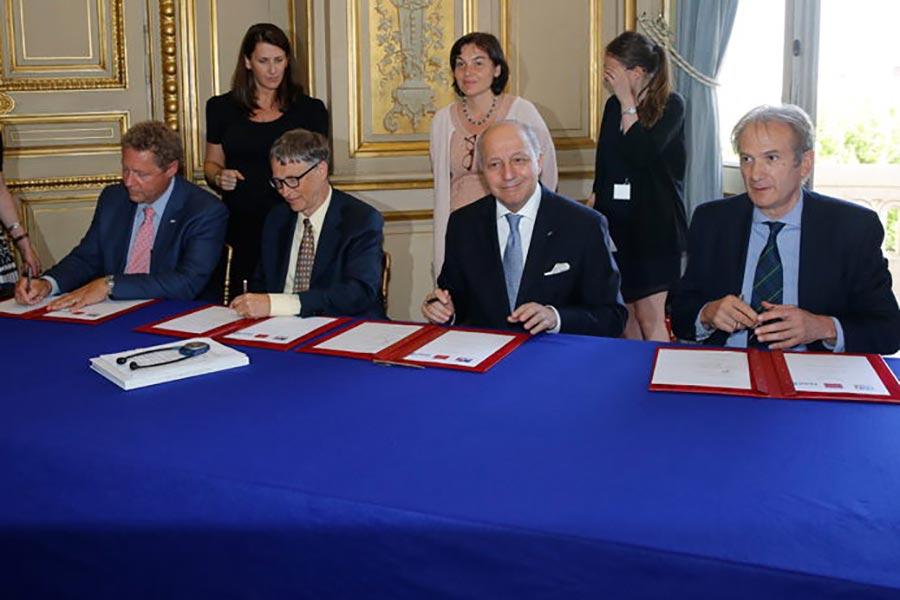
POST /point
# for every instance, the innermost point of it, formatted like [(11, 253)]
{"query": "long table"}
[(554, 475)]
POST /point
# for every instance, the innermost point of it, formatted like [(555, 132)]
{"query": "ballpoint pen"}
[(28, 279), (245, 286)]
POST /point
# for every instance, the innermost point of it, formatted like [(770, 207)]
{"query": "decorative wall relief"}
[(400, 52), (412, 39)]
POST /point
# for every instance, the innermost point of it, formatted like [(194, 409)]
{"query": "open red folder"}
[(92, 314), (224, 325), (419, 345), (774, 374)]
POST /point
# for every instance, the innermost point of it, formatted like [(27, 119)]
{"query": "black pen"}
[(432, 300), (28, 279)]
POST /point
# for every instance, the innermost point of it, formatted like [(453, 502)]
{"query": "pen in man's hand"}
[(245, 286), (28, 279), (433, 300)]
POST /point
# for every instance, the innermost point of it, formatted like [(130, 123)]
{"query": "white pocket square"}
[(557, 269)]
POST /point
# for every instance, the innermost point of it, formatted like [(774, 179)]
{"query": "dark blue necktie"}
[(512, 260), (768, 281)]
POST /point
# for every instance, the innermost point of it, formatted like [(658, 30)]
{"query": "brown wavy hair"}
[(634, 49), (243, 85)]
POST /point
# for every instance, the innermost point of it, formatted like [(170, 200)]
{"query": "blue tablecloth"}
[(554, 475)]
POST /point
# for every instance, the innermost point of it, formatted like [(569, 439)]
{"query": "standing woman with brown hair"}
[(241, 126), (639, 178), (480, 73)]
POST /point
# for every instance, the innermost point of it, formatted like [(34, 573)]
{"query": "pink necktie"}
[(143, 244)]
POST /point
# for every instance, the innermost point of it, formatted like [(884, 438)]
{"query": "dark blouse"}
[(246, 144), (652, 223)]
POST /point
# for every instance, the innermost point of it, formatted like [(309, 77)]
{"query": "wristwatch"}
[(630, 111), (110, 284)]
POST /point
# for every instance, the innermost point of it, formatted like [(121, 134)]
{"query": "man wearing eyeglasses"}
[(321, 250), (154, 235)]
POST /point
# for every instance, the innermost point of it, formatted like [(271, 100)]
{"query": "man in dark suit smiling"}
[(321, 252), (524, 256)]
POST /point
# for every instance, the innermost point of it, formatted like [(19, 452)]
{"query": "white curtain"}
[(701, 37)]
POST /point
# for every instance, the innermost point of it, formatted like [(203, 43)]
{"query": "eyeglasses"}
[(469, 159), (291, 182)]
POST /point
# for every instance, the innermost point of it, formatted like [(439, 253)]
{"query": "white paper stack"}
[(218, 358)]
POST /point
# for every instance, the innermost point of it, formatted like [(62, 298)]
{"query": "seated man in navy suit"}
[(524, 256), (780, 266), (155, 235), (321, 251)]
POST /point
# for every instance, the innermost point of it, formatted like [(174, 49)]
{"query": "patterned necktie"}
[(139, 262), (512, 260), (768, 282), (305, 258)]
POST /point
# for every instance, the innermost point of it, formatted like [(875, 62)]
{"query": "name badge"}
[(621, 191)]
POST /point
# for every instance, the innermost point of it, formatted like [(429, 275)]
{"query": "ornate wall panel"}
[(90, 54), (562, 79), (399, 51)]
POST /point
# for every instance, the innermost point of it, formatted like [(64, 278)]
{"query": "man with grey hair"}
[(782, 267), (525, 257), (154, 235), (321, 251)]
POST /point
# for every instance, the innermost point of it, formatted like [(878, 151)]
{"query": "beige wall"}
[(75, 94)]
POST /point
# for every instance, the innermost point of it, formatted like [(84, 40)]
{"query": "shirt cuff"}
[(54, 287), (700, 331), (558, 320), (839, 342), (284, 305)]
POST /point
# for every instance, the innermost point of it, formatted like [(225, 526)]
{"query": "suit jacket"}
[(187, 247), (843, 273), (586, 295), (346, 275)]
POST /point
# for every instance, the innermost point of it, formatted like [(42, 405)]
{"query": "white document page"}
[(95, 312), (153, 371), (11, 307), (464, 348), (369, 338), (834, 373), (706, 368), (202, 321), (280, 330)]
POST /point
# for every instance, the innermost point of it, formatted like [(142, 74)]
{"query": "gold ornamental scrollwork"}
[(7, 104), (169, 49)]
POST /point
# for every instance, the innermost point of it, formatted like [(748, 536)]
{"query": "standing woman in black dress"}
[(639, 178), (241, 126)]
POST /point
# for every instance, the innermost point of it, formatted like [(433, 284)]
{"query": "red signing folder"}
[(92, 314), (419, 345), (774, 374)]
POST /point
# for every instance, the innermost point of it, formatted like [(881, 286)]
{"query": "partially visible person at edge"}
[(154, 235), (782, 267), (639, 178), (21, 241), (480, 73), (241, 126)]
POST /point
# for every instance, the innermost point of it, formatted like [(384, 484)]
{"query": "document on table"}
[(159, 364), (95, 312), (201, 321), (706, 368), (469, 348), (368, 338), (834, 373), (280, 330), (11, 307)]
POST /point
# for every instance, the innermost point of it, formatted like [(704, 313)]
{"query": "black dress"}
[(246, 144), (8, 275), (649, 230)]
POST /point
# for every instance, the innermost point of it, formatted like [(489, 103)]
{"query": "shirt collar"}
[(317, 219), (159, 205), (529, 210)]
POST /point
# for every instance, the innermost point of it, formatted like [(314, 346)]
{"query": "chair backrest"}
[(385, 278), (228, 252)]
